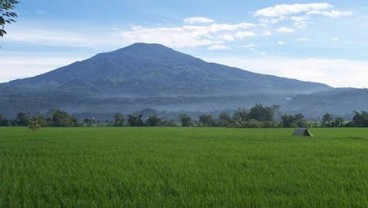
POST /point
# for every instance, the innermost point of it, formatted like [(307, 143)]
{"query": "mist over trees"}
[(259, 116)]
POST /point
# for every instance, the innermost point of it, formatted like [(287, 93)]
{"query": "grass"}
[(182, 167)]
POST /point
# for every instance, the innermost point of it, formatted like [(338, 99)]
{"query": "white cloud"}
[(334, 72), (198, 20), (299, 22), (267, 33), (186, 36), (302, 40), (285, 30), (291, 9), (334, 38), (218, 47), (244, 34), (227, 37), (281, 43), (40, 12), (332, 13), (251, 46), (299, 14)]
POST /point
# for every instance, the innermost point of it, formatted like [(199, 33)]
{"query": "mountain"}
[(147, 76)]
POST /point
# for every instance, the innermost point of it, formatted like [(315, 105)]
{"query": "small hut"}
[(302, 132)]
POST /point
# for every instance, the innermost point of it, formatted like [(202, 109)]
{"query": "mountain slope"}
[(152, 76), (337, 101)]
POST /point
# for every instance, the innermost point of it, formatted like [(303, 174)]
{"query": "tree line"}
[(258, 116), (53, 118)]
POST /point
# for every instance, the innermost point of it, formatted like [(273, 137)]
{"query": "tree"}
[(262, 113), (185, 120), (207, 120), (339, 122), (40, 119), (135, 120), (296, 120), (165, 122), (3, 121), (6, 14), (300, 120), (22, 119), (119, 119), (61, 118), (287, 121), (224, 119), (240, 115), (360, 119), (89, 121), (153, 121), (327, 120), (33, 124)]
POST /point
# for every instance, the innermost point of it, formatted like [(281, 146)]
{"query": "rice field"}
[(183, 167)]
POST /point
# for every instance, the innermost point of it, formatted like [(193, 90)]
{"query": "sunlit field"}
[(182, 167)]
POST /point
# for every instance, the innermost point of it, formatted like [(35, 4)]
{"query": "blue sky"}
[(322, 41)]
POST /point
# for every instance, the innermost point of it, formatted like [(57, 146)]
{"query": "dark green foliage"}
[(288, 121), (22, 119), (119, 119), (61, 118), (327, 120), (89, 121), (339, 122), (240, 115), (224, 119), (185, 120), (40, 119), (7, 14), (262, 113), (135, 120), (170, 123), (258, 116), (207, 120), (33, 124), (3, 120), (296, 120), (360, 119), (154, 121)]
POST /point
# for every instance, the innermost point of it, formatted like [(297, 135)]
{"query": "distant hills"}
[(154, 76)]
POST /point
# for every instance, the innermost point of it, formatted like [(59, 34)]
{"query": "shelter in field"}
[(302, 132)]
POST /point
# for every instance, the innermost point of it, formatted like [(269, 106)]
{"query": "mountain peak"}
[(147, 45), (145, 49)]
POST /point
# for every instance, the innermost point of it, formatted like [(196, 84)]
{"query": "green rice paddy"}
[(182, 167)]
